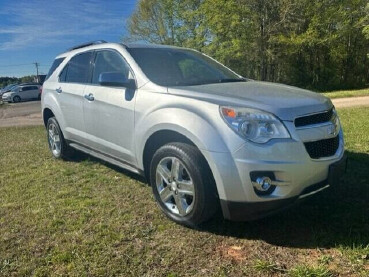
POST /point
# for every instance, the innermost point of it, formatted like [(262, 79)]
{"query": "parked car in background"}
[(7, 89), (202, 135), (22, 92)]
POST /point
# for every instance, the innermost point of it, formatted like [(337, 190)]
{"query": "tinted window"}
[(181, 67), (79, 68), (54, 66), (29, 88), (63, 74), (109, 61)]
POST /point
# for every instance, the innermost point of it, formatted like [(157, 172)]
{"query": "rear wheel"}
[(182, 184), (16, 99), (57, 144)]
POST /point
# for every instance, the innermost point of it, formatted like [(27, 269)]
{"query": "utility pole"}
[(37, 65)]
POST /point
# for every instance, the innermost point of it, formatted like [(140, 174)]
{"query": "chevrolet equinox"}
[(203, 136)]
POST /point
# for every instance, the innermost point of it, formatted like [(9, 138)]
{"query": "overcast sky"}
[(37, 30)]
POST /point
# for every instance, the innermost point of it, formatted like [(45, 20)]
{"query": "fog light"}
[(263, 183)]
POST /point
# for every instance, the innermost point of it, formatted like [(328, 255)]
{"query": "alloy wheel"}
[(54, 139), (175, 186)]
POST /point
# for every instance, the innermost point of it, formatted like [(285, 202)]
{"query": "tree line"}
[(320, 45), (4, 81)]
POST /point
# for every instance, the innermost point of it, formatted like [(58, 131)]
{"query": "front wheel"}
[(182, 184), (16, 99)]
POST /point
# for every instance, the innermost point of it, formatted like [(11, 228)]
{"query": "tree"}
[(315, 44)]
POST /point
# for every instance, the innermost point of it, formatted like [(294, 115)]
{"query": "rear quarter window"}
[(54, 66)]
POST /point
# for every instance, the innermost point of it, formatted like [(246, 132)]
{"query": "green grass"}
[(305, 271), (347, 93), (86, 218)]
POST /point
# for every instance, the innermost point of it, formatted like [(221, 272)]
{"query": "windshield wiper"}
[(232, 80)]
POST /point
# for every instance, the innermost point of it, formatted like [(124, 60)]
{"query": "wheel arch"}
[(157, 140), (51, 107), (47, 113)]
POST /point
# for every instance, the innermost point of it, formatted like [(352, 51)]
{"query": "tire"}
[(16, 99), (191, 199), (57, 144)]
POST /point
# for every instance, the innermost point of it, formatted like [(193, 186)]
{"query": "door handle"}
[(89, 97), (59, 90)]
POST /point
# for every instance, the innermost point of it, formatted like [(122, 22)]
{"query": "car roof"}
[(149, 45), (97, 44), (28, 84)]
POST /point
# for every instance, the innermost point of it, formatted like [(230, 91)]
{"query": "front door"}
[(109, 111)]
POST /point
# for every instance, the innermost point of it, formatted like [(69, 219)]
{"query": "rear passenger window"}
[(78, 69), (109, 61)]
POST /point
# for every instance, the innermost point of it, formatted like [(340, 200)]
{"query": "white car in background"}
[(22, 92)]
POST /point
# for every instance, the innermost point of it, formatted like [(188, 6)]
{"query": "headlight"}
[(254, 125)]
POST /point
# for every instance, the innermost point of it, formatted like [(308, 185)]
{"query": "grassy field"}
[(347, 93), (86, 218)]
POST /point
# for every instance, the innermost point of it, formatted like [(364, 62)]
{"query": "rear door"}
[(109, 111), (24, 93), (69, 92), (33, 92)]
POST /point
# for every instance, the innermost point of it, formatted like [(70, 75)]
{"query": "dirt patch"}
[(351, 102), (21, 114)]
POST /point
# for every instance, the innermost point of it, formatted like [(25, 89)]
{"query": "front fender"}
[(205, 134), (182, 121)]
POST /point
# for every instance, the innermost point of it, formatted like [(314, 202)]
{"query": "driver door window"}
[(109, 61)]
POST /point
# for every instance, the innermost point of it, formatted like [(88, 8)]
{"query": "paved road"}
[(21, 114), (29, 113)]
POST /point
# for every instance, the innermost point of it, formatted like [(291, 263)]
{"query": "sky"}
[(38, 30)]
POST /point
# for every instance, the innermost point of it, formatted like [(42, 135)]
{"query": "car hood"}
[(286, 102)]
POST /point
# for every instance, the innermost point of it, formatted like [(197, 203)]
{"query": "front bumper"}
[(244, 211), (6, 99)]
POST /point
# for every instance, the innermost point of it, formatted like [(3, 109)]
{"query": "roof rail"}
[(87, 44)]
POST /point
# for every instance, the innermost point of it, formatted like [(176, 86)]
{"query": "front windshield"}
[(8, 87), (181, 67)]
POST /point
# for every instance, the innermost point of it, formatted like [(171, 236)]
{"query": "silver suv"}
[(203, 136)]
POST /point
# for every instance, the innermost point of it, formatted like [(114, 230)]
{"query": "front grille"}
[(314, 119), (322, 148)]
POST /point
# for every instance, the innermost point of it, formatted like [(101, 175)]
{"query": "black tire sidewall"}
[(194, 168), (16, 99)]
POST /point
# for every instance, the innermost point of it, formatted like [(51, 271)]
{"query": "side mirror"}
[(116, 79)]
